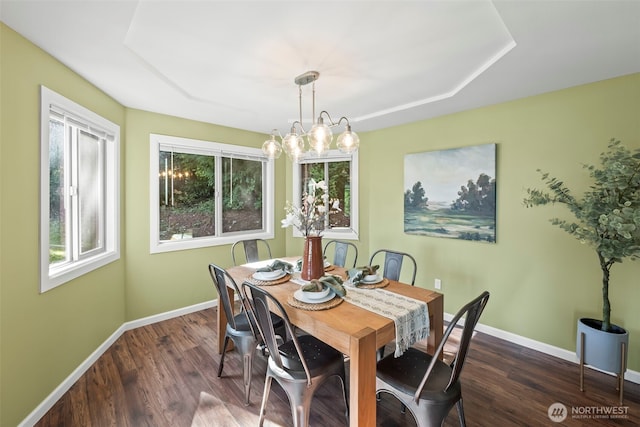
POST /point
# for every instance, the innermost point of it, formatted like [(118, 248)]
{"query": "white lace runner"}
[(411, 316)]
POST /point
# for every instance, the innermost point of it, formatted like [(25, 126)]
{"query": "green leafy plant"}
[(607, 217)]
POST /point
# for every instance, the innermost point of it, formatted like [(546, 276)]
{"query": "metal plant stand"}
[(619, 375)]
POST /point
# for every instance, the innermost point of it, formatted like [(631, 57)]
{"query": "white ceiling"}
[(381, 63)]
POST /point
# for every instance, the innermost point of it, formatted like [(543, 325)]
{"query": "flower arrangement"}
[(309, 217)]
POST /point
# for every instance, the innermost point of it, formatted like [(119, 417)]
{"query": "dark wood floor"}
[(165, 375)]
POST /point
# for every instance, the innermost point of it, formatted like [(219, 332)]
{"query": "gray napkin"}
[(357, 274), (277, 265), (332, 282)]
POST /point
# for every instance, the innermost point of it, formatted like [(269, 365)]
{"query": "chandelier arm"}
[(331, 122), (299, 123), (345, 119)]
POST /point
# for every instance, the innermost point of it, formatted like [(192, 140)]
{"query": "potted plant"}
[(607, 218)]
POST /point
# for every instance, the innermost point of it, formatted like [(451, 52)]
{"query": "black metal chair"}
[(423, 383), (241, 328), (392, 264), (341, 251), (252, 249), (300, 365)]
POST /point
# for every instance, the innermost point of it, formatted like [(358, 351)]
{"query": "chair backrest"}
[(261, 304), (392, 265), (471, 313), (221, 280), (252, 248), (341, 251)]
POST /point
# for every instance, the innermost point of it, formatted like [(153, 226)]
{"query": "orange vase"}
[(312, 259)]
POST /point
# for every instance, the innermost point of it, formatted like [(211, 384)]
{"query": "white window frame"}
[(56, 275), (219, 150), (350, 233)]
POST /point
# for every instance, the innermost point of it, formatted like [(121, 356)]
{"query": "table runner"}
[(411, 316)]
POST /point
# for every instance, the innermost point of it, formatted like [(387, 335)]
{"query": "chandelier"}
[(319, 137)]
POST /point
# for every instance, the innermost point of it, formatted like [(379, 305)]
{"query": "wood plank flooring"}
[(165, 375)]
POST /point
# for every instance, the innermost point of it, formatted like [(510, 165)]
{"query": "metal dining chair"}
[(241, 328), (423, 383), (391, 269), (300, 365), (392, 263), (252, 249), (341, 251)]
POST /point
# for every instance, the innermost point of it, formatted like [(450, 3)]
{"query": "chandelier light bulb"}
[(293, 144), (348, 141), (271, 148), (320, 138), (295, 154)]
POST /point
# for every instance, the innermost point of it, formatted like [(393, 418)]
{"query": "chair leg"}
[(248, 364), (300, 399), (460, 413), (379, 356), (224, 351), (265, 397), (343, 383)]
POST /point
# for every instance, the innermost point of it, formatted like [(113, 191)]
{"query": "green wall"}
[(540, 278), (43, 337), (165, 281)]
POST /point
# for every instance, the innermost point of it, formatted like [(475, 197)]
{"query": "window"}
[(206, 193), (340, 172), (79, 190)]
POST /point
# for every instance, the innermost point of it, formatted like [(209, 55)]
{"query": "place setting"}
[(318, 294), (273, 274), (328, 266), (366, 277)]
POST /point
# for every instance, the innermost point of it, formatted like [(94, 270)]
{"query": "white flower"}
[(289, 220), (309, 218)]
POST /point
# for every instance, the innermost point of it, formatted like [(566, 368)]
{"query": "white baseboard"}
[(561, 353), (56, 394), (169, 314)]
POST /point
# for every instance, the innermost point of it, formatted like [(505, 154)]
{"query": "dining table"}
[(352, 330)]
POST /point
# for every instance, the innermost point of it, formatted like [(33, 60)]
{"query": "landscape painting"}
[(451, 193)]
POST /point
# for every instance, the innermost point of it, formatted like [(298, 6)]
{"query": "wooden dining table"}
[(350, 329)]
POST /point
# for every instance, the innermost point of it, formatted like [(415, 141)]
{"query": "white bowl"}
[(316, 295), (370, 278), (269, 275)]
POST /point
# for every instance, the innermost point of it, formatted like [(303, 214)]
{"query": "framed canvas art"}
[(451, 193)]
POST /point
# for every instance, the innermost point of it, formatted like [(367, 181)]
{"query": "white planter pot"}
[(602, 349)]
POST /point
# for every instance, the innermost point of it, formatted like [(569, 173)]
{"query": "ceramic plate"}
[(316, 295), (378, 279), (268, 275), (302, 296)]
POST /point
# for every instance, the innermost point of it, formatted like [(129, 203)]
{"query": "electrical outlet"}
[(438, 284)]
